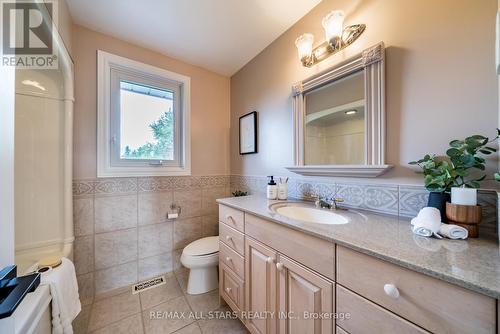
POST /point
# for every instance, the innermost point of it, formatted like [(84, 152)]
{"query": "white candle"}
[(464, 196)]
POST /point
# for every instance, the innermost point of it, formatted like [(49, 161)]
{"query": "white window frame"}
[(110, 70)]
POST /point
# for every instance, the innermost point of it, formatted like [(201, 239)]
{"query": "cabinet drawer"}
[(231, 288), (367, 317), (430, 303), (232, 238), (232, 217), (232, 259), (312, 252)]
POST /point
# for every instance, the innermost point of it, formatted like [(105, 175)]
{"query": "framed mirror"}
[(339, 119)]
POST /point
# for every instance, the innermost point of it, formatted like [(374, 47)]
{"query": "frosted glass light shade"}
[(304, 44), (333, 24)]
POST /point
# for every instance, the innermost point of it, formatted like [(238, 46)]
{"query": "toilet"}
[(201, 257)]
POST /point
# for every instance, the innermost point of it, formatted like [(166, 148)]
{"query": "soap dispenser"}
[(272, 189)]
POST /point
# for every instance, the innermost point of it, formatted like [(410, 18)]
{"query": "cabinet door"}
[(305, 300), (260, 287)]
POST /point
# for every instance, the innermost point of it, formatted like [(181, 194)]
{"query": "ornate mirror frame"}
[(371, 61)]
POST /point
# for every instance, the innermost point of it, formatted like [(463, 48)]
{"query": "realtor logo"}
[(27, 34)]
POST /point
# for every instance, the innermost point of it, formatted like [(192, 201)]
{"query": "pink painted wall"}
[(440, 80), (209, 104)]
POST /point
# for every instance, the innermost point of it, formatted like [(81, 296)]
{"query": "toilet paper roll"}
[(172, 215)]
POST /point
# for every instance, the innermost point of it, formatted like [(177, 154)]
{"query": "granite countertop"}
[(473, 263)]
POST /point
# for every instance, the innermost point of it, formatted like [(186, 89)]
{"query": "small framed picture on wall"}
[(248, 133)]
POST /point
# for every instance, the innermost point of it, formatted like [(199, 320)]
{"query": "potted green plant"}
[(239, 193), (456, 169)]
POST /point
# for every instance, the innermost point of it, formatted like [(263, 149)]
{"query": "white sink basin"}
[(308, 214)]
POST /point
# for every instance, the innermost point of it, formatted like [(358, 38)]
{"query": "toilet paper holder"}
[(174, 212)]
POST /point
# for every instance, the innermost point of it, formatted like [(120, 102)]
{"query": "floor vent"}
[(149, 284)]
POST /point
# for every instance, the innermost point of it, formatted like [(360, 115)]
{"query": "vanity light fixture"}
[(350, 112), (337, 38)]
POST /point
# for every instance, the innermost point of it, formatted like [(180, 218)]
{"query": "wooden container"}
[(467, 216)]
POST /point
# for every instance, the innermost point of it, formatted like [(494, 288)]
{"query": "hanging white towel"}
[(453, 231), (65, 299)]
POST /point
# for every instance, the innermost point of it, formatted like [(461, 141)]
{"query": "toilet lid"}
[(203, 246)]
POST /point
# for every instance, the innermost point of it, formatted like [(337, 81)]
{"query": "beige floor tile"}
[(222, 325), (161, 294), (130, 325), (157, 321), (110, 310), (81, 323), (190, 329), (204, 302)]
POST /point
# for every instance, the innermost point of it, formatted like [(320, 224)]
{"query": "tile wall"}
[(400, 200), (121, 232), (122, 235)]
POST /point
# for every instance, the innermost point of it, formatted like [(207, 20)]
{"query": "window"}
[(143, 119)]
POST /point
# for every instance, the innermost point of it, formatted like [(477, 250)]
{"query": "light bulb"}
[(333, 24), (304, 44)]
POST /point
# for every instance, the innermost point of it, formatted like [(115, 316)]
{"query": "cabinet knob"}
[(270, 260), (280, 266), (228, 217), (228, 290), (228, 237), (228, 259), (391, 291)]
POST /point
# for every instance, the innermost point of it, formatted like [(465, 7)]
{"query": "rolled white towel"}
[(453, 231), (427, 222), (431, 225), (420, 230)]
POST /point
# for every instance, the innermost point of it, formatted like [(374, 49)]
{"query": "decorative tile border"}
[(115, 186), (124, 185), (411, 200), (402, 200), (119, 185)]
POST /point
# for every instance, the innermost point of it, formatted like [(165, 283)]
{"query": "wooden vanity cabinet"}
[(433, 304), (274, 275), (231, 287), (303, 294), (285, 295), (232, 258), (260, 291)]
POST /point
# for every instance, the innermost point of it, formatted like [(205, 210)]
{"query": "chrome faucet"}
[(328, 203)]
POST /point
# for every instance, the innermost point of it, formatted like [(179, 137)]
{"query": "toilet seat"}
[(201, 253), (203, 261), (202, 247)]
